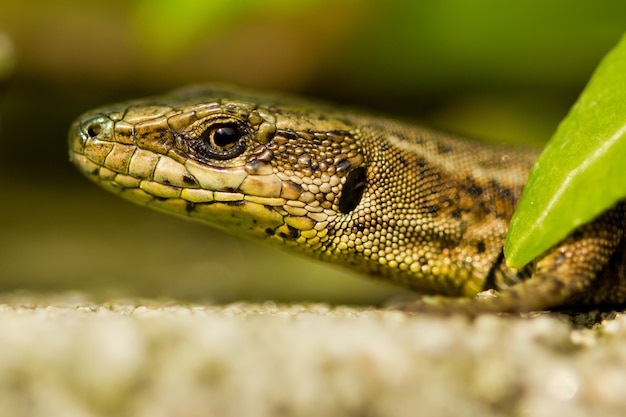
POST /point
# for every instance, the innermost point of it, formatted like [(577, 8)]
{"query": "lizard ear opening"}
[(353, 189)]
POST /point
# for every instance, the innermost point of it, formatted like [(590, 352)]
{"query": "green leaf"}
[(581, 172)]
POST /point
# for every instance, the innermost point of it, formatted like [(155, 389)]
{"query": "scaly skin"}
[(423, 209)]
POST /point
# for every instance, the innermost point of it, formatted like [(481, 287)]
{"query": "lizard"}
[(426, 210)]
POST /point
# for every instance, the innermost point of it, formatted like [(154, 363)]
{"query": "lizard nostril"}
[(98, 127), (94, 130)]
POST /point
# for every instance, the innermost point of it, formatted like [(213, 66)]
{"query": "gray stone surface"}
[(66, 356)]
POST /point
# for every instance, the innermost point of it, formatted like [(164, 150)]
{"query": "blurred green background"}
[(494, 70)]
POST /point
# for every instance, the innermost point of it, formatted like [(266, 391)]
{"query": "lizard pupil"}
[(225, 136), (353, 190)]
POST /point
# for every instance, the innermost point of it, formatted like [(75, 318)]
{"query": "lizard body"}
[(423, 209)]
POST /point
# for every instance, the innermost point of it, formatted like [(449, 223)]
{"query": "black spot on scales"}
[(292, 234), (481, 247)]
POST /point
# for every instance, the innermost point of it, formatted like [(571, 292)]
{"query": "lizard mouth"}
[(227, 198)]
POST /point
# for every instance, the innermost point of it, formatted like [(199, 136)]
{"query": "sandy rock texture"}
[(66, 356)]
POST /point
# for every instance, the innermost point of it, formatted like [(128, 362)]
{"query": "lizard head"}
[(254, 165)]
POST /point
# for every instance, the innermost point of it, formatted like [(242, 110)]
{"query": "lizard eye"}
[(220, 142)]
